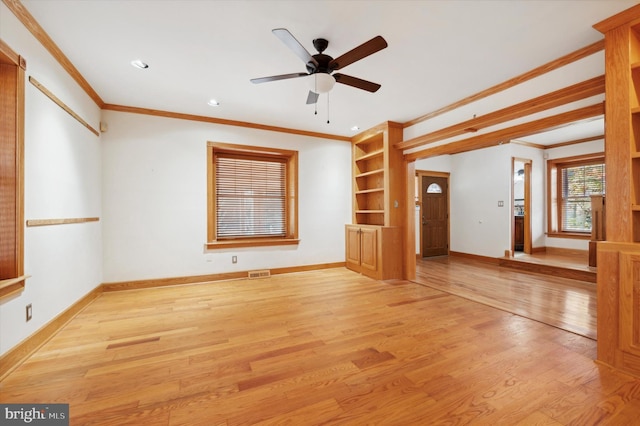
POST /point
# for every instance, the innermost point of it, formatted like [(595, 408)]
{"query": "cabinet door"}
[(630, 302), (352, 254), (369, 249)]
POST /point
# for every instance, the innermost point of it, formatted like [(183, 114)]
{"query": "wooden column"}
[(619, 256)]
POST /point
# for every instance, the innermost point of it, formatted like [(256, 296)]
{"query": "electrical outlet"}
[(29, 312), (234, 259)]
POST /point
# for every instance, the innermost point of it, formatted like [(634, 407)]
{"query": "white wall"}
[(62, 180), (155, 199), (481, 179)]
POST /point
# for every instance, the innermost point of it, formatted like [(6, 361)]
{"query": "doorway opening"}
[(521, 206), (432, 213)]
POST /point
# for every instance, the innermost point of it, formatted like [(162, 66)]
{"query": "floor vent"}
[(265, 273)]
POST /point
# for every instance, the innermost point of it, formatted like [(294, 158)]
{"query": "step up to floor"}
[(558, 271)]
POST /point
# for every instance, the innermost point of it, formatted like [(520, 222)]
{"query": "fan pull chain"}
[(315, 90), (327, 107)]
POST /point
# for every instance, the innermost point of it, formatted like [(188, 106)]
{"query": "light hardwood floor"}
[(569, 304), (319, 347)]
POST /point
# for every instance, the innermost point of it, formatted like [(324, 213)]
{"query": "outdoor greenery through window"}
[(578, 184), (252, 196), (572, 182)]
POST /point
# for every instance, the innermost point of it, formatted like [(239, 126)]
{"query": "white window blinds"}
[(250, 196)]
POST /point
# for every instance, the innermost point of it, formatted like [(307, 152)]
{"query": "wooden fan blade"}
[(290, 41), (356, 82), (278, 77), (312, 97), (365, 49)]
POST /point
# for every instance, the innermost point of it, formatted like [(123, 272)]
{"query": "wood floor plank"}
[(326, 347)]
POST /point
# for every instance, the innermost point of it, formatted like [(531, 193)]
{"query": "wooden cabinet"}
[(618, 257), (630, 303), (374, 240), (375, 251), (361, 248)]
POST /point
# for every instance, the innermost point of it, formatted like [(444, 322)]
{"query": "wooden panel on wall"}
[(608, 299), (66, 221), (62, 105)]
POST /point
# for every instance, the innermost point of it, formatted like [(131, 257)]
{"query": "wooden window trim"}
[(554, 207), (291, 237), (12, 78)]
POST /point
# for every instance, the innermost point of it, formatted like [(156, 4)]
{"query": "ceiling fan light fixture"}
[(213, 102), (139, 64), (322, 83)]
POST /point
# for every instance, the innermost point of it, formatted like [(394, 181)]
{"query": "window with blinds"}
[(578, 183), (250, 196), (571, 181)]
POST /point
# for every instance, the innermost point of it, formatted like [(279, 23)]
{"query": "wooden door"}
[(435, 216)]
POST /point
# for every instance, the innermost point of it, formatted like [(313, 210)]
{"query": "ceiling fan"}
[(322, 66)]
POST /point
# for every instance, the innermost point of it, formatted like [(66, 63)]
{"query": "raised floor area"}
[(572, 264)]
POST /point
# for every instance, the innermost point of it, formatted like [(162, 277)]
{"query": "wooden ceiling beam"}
[(575, 141), (501, 136), (576, 92)]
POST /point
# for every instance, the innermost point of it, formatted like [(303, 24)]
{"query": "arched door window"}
[(434, 188)]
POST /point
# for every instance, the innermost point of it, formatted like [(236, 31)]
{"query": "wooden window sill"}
[(574, 235), (262, 242), (12, 285)]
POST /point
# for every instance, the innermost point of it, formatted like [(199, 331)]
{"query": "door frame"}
[(419, 174), (528, 249)]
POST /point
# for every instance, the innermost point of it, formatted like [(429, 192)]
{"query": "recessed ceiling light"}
[(213, 102), (139, 64), (355, 128)]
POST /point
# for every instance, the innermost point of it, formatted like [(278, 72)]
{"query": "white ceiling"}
[(439, 52)]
